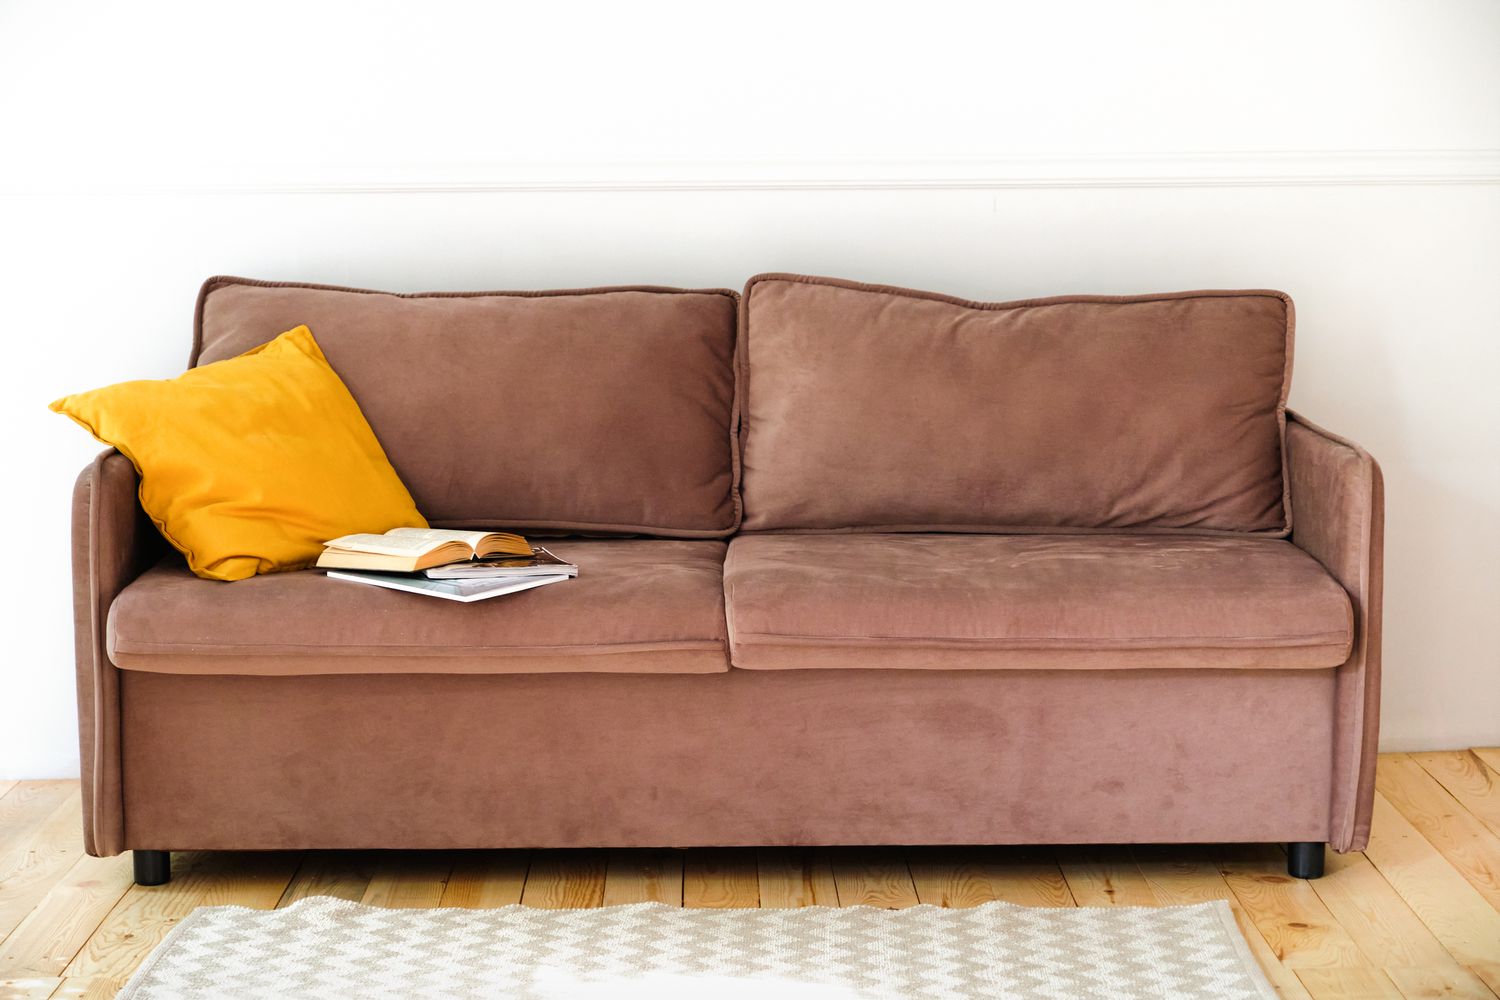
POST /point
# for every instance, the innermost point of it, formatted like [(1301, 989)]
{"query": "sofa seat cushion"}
[(637, 606), (948, 602)]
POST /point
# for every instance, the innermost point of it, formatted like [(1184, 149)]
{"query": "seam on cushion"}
[(162, 648), (1289, 323), (1372, 583), (742, 386), (1049, 642), (218, 281), (760, 653), (243, 669), (736, 471), (1287, 357), (994, 306), (99, 641), (1357, 731), (679, 534), (1015, 529)]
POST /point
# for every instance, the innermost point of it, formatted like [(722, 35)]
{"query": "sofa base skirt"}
[(745, 757)]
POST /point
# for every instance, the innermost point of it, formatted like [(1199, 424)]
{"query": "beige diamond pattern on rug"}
[(330, 948)]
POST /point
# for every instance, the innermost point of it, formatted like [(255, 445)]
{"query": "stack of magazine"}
[(462, 566)]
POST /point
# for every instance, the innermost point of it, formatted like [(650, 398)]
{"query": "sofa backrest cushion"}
[(606, 410), (870, 408)]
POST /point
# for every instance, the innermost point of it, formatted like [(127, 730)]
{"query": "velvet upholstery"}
[(113, 542), (472, 394), (1339, 495), (984, 602), (874, 408), (743, 757), (637, 606)]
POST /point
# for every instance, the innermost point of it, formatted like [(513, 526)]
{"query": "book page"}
[(434, 536), (388, 544)]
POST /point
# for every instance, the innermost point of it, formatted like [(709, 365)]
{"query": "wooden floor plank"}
[(28, 987), (944, 877), (1490, 756), (29, 804), (795, 876), (144, 915), (1348, 984), (1180, 875), (1469, 780), (643, 876), (1450, 907), (968, 876), (66, 917), (1028, 876), (1390, 933), (1297, 925), (1283, 980), (139, 921), (341, 874), (873, 876), (6, 786), (721, 877), (253, 879), (1104, 876), (565, 879), (39, 855), (482, 880), (97, 988), (1386, 929), (1471, 848), (408, 879), (1453, 982)]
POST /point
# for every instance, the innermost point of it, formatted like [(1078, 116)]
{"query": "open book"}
[(406, 550)]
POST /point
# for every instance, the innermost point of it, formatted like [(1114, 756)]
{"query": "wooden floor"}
[(1415, 915)]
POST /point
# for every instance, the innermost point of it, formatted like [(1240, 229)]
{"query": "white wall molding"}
[(1322, 168)]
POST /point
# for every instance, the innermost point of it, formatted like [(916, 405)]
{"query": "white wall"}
[(1346, 152)]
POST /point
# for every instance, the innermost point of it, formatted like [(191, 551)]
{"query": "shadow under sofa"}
[(752, 676)]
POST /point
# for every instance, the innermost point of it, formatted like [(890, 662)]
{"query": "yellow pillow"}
[(248, 465)]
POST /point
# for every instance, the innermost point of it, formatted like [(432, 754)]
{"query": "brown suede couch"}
[(860, 565)]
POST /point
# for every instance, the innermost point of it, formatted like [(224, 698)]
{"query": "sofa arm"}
[(113, 543), (1338, 517)]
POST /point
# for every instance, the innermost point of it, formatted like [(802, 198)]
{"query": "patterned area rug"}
[(323, 947)]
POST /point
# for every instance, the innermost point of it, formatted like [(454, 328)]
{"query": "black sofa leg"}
[(153, 867), (1304, 859)]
